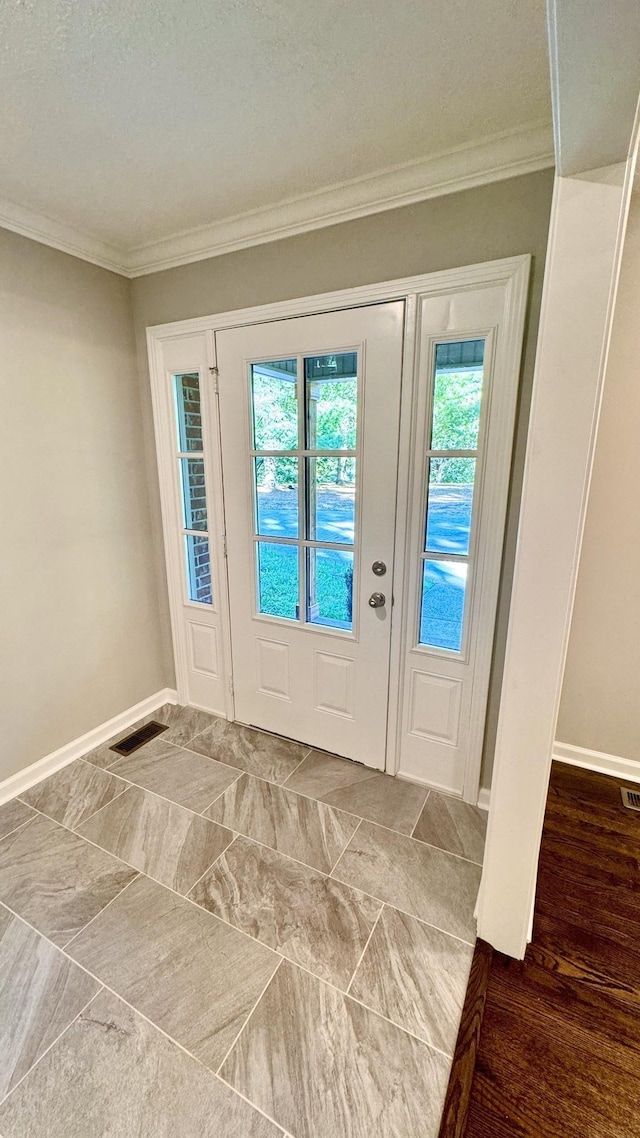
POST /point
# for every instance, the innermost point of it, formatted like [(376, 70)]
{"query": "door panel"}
[(185, 414), (463, 411), (309, 413)]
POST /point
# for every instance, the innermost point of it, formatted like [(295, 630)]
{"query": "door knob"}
[(377, 600)]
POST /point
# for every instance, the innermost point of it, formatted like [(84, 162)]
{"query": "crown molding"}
[(38, 227), (488, 160)]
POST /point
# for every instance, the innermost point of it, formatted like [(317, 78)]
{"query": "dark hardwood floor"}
[(549, 1047)]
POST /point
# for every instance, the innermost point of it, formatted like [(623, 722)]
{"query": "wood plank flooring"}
[(559, 1047)]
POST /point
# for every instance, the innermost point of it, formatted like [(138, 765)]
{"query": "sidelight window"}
[(190, 458), (452, 466)]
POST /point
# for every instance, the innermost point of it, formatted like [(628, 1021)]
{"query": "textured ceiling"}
[(134, 120)]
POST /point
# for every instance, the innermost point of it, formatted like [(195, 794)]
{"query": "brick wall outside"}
[(195, 507)]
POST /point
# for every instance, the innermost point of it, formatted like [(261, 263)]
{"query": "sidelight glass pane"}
[(188, 414), (198, 569), (276, 496), (330, 587), (449, 503), (331, 499), (274, 405), (194, 501), (443, 590), (278, 579), (457, 392), (331, 385)]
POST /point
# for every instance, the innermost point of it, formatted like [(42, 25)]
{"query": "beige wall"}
[(78, 629), (600, 707), (483, 224)]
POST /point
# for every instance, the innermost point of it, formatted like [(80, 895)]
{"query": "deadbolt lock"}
[(379, 568)]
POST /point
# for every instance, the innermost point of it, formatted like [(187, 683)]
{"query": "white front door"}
[(309, 414)]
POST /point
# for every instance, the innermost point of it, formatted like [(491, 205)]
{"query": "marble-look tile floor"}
[(230, 934)]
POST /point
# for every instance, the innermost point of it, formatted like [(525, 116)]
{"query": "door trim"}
[(510, 272)]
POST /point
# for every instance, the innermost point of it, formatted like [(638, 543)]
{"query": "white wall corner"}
[(20, 781), (586, 238)]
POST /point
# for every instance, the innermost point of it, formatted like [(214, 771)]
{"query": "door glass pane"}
[(443, 589), (331, 498), (457, 391), (188, 417), (194, 502), (331, 385), (278, 579), (449, 502), (330, 587), (198, 569), (277, 496), (274, 405)]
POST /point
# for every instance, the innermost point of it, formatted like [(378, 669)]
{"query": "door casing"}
[(166, 342)]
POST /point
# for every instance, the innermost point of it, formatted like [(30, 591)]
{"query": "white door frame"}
[(511, 272)]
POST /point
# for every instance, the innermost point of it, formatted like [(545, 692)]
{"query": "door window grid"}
[(195, 537), (304, 495), (455, 398)]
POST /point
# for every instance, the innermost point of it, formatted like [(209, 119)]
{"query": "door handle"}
[(377, 600)]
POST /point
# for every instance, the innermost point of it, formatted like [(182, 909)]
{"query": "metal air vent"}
[(630, 798), (138, 738)]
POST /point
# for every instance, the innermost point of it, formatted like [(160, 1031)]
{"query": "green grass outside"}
[(279, 582)]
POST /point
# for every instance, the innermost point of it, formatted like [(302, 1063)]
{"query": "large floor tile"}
[(325, 1067), (359, 790), (103, 756), (301, 827), (113, 1074), (56, 880), (255, 752), (74, 793), (41, 992), (453, 825), (183, 722), (160, 838), (189, 973), (435, 886), (12, 815), (416, 976), (313, 920), (186, 778)]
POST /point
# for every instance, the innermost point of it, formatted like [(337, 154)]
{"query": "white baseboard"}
[(20, 781), (484, 794), (484, 798), (600, 761)]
